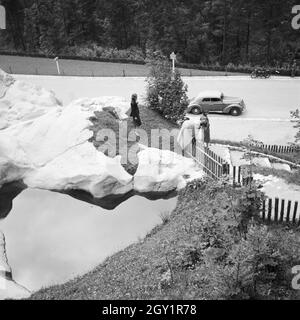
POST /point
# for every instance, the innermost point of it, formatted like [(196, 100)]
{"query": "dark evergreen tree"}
[(201, 31)]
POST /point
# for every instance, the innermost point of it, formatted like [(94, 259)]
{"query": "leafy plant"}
[(166, 92)]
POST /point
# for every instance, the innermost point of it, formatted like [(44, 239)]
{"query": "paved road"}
[(265, 99), (269, 102)]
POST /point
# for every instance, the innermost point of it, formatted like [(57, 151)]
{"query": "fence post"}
[(239, 175), (295, 212), (264, 210), (288, 211), (234, 175), (282, 210), (270, 210), (276, 210)]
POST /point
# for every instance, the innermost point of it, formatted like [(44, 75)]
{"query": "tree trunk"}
[(248, 36), (224, 33)]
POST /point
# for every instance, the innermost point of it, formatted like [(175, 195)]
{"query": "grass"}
[(150, 120), (45, 66)]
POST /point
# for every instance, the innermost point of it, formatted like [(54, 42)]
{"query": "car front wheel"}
[(196, 110), (235, 111)]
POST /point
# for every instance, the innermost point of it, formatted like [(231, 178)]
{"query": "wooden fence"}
[(239, 175), (213, 165), (280, 210), (279, 149), (273, 210), (276, 210)]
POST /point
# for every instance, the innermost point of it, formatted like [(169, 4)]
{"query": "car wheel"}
[(196, 110), (235, 111)]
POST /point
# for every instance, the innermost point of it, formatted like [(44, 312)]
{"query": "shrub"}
[(166, 92), (92, 50), (226, 252)]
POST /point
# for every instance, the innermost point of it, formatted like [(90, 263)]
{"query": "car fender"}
[(233, 105), (191, 106)]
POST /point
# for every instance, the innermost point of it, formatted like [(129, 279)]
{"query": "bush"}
[(224, 251), (92, 50), (166, 92)]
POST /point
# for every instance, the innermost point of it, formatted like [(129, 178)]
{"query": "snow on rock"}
[(50, 149), (82, 168), (21, 101), (57, 155), (262, 162), (163, 170), (119, 104), (222, 151), (9, 289), (238, 158), (281, 166), (275, 187), (13, 160)]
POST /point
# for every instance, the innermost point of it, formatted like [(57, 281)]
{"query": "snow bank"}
[(275, 187), (82, 168), (119, 104), (53, 152), (9, 289), (50, 149), (163, 170), (21, 101)]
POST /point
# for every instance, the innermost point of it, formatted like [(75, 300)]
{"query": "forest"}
[(199, 31)]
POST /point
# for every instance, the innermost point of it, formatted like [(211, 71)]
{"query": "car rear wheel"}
[(196, 110), (235, 111)]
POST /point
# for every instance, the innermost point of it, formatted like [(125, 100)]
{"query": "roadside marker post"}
[(57, 64), (2, 18), (173, 58)]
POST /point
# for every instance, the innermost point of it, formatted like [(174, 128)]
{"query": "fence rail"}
[(213, 165)]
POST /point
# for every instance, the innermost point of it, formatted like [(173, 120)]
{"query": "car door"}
[(216, 105), (206, 104)]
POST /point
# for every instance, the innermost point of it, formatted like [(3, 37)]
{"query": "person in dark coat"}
[(135, 112), (205, 126)]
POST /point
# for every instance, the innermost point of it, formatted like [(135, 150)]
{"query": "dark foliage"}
[(215, 32), (166, 92)]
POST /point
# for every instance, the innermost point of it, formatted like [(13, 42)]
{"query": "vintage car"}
[(215, 101)]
